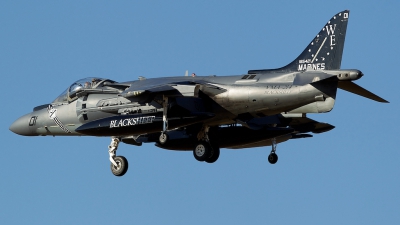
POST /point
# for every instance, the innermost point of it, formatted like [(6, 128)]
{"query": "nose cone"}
[(21, 126)]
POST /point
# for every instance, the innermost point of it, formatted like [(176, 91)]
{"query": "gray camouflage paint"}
[(306, 85)]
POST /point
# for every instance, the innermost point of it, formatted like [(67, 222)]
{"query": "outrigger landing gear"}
[(119, 164), (204, 151), (273, 157), (164, 136)]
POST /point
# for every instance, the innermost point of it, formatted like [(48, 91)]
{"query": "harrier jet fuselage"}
[(205, 113)]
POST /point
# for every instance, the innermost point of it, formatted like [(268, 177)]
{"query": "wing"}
[(178, 88)]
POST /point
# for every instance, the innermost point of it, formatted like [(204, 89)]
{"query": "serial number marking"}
[(275, 87), (277, 92), (278, 89)]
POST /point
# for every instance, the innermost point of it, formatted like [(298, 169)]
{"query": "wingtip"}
[(381, 100)]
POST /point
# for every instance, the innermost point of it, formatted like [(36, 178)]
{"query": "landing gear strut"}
[(119, 164), (204, 151), (164, 136), (273, 157)]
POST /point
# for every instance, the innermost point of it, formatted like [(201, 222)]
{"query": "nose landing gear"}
[(119, 164)]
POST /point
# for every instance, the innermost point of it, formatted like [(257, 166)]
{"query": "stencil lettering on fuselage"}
[(278, 89), (53, 115)]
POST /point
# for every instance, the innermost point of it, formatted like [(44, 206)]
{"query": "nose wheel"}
[(119, 164), (122, 166)]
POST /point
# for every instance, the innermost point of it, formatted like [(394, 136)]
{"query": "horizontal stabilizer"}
[(297, 136), (355, 89)]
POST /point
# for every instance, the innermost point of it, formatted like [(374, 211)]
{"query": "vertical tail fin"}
[(325, 50)]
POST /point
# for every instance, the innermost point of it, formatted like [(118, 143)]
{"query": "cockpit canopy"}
[(85, 83)]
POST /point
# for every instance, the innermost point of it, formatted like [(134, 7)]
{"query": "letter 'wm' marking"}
[(330, 29)]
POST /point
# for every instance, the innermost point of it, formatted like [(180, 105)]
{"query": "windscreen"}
[(86, 83)]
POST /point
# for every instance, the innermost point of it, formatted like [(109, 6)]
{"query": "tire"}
[(163, 138), (122, 166), (214, 155), (273, 158), (202, 151)]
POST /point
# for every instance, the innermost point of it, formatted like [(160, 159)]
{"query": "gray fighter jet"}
[(205, 113)]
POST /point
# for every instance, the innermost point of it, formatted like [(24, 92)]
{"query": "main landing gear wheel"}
[(214, 155), (122, 166), (273, 158), (202, 151), (163, 138)]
